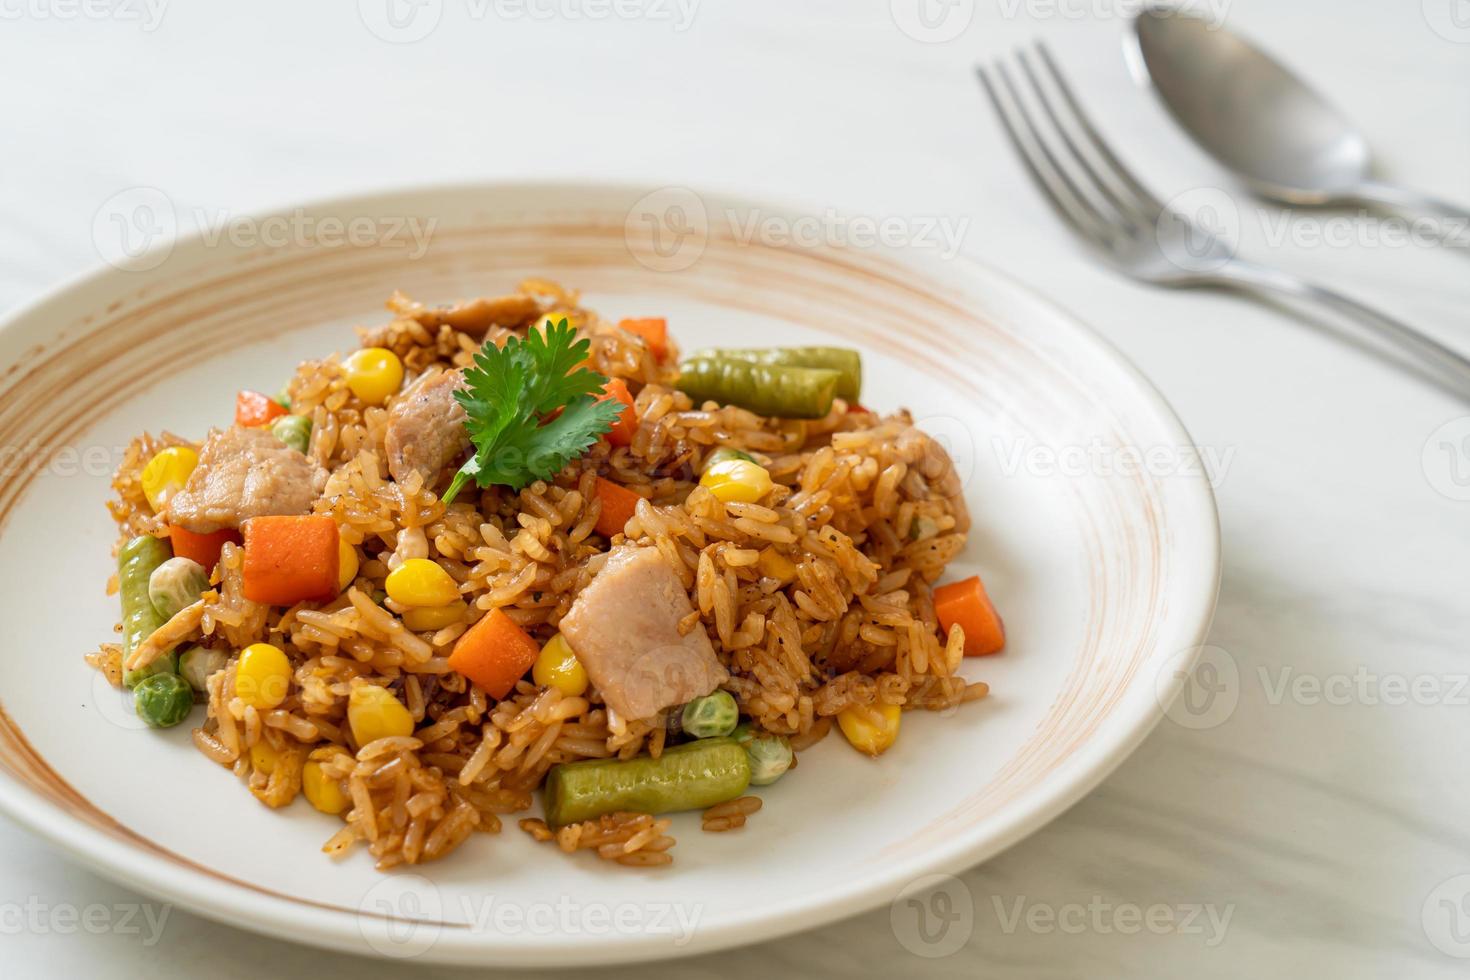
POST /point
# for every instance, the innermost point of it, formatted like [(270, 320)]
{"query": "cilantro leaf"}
[(511, 390)]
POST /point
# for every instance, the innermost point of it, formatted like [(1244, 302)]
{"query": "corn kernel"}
[(559, 667), (321, 792), (374, 713), (737, 481), (166, 474), (421, 582), (870, 728), (263, 676), (423, 618), (374, 373), (347, 564), (263, 757), (775, 565), (574, 320)]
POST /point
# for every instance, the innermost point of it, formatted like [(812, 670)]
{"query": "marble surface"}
[(1312, 823)]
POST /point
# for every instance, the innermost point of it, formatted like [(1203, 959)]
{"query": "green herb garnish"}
[(508, 396)]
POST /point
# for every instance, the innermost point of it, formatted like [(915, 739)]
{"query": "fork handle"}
[(1447, 366)]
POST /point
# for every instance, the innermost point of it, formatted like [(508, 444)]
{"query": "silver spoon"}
[(1277, 133)]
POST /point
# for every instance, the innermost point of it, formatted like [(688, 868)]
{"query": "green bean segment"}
[(136, 561), (766, 389), (846, 362), (691, 776)]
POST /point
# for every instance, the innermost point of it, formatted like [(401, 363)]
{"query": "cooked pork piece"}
[(245, 473), (474, 317), (426, 428), (624, 628)]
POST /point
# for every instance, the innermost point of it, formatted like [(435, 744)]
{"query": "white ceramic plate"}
[(1104, 570)]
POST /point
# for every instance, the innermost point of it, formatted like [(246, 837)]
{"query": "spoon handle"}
[(1446, 366), (1456, 219)]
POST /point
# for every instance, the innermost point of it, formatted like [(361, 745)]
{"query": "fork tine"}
[(1054, 183), (1100, 145), (1120, 198)]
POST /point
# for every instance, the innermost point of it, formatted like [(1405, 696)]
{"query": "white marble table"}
[(1321, 822)]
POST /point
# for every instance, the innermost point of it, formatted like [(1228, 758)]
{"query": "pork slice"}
[(245, 473), (426, 428), (624, 628)]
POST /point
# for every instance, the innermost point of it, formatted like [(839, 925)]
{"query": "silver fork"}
[(1139, 235)]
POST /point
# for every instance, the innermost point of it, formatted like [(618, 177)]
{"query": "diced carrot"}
[(290, 559), (654, 331), (618, 504), (621, 434), (253, 408), (203, 548), (966, 603), (494, 653)]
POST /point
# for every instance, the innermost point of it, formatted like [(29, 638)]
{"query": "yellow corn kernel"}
[(374, 713), (737, 481), (263, 757), (775, 565), (423, 618), (321, 792), (421, 582), (559, 667), (166, 474), (373, 374), (574, 320), (870, 728), (263, 676), (347, 564)]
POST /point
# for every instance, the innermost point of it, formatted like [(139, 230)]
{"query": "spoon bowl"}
[(1276, 132)]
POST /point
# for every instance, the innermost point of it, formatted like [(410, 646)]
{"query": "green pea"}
[(767, 389), (283, 397), (163, 700), (711, 716), (136, 562), (846, 362), (770, 755), (294, 431), (175, 584), (691, 776), (197, 663)]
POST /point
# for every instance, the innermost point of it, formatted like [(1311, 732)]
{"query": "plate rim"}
[(241, 907)]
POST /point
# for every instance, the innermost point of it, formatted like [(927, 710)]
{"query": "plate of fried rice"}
[(577, 579)]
